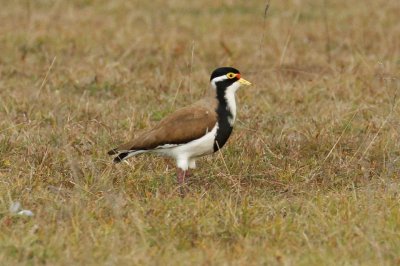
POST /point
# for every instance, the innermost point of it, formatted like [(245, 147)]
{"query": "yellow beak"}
[(244, 82)]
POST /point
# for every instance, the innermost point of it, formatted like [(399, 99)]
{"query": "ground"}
[(310, 175)]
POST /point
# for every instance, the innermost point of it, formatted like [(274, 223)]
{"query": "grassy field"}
[(310, 175)]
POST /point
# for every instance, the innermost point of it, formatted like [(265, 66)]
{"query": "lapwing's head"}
[(225, 79)]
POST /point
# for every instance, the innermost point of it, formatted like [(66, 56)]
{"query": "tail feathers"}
[(120, 157), (123, 155)]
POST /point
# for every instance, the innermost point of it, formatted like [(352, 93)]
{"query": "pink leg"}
[(181, 176), (181, 181)]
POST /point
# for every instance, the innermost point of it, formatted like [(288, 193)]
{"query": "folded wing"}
[(180, 127)]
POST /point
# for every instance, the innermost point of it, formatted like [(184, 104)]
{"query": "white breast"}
[(195, 148)]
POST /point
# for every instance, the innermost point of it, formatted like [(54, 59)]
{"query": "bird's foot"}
[(187, 175)]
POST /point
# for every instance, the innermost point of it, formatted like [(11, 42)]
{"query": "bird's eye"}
[(231, 75)]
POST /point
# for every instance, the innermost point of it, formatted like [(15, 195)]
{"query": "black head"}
[(223, 71), (224, 77)]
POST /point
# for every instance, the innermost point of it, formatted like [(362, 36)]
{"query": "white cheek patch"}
[(217, 79)]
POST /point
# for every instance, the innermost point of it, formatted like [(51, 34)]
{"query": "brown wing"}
[(180, 127)]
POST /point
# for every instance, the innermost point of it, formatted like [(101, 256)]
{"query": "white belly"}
[(196, 148)]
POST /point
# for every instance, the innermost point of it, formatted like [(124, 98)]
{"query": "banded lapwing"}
[(194, 131)]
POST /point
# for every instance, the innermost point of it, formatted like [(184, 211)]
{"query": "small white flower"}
[(16, 206), (26, 213)]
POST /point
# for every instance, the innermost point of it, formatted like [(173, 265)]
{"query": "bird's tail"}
[(123, 155), (120, 157)]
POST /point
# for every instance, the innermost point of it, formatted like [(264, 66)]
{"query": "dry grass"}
[(312, 169)]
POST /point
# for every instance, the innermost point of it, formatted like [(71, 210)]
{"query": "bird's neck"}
[(226, 111), (227, 104)]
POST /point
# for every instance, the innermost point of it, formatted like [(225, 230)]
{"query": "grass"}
[(309, 177)]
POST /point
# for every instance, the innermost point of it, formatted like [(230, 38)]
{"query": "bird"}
[(194, 131)]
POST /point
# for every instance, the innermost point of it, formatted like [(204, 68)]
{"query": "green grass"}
[(309, 176)]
